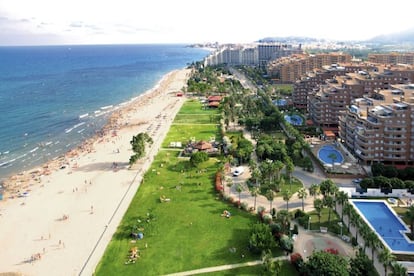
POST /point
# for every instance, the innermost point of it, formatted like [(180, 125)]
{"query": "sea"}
[(52, 98)]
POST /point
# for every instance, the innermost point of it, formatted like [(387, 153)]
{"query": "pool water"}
[(326, 153), (295, 120), (386, 223), (280, 102)]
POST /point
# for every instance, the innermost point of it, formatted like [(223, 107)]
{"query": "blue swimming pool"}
[(280, 102), (328, 154), (386, 223), (295, 120)]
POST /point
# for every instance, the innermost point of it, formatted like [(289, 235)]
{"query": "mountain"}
[(406, 36)]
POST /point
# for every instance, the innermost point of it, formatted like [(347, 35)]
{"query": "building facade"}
[(380, 127)]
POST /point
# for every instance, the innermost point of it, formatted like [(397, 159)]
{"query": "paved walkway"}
[(223, 267)]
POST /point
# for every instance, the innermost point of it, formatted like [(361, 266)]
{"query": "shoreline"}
[(75, 203), (86, 145)]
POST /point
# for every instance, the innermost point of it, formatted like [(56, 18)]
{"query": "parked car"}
[(357, 181), (238, 171)]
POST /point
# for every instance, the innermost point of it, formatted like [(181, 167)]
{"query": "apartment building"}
[(380, 127), (326, 102), (292, 68), (392, 58), (272, 51)]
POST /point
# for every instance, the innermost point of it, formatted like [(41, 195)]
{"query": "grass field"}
[(332, 227), (188, 231), (184, 133)]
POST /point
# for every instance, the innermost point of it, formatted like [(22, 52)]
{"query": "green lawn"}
[(195, 107), (332, 227), (187, 232), (184, 234), (183, 133), (197, 119)]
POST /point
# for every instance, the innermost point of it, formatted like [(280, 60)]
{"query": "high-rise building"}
[(380, 127)]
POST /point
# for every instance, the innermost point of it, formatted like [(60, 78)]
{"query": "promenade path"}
[(223, 267)]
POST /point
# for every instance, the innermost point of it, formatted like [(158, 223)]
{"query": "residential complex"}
[(326, 102), (291, 68), (380, 127), (392, 58)]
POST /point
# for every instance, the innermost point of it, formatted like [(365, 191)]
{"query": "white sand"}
[(34, 224)]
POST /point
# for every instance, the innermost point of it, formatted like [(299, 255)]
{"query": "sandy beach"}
[(75, 203)]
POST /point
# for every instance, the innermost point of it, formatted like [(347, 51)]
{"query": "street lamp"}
[(309, 223)]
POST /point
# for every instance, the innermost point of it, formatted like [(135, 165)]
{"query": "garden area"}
[(176, 215)]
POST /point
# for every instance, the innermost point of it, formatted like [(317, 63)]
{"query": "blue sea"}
[(54, 97)]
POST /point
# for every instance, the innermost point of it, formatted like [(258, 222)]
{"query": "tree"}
[(409, 215), (138, 143), (398, 269), (198, 157), (270, 195), (269, 266), (318, 205), (341, 197), (314, 190), (254, 191), (261, 238), (289, 167), (324, 263), (328, 188), (287, 195), (361, 265), (372, 241), (333, 157), (329, 202), (302, 194), (386, 258), (239, 189)]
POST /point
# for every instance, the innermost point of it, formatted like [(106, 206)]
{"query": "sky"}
[(40, 22)]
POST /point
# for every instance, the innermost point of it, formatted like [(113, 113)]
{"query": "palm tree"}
[(355, 221), (348, 210), (289, 168), (409, 215), (314, 190), (287, 195), (398, 269), (333, 157), (284, 218), (328, 188), (270, 195), (302, 194), (239, 189), (386, 258), (341, 197), (329, 202), (318, 205), (254, 192), (277, 167), (371, 239)]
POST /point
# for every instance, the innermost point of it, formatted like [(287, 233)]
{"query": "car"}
[(238, 171), (357, 181)]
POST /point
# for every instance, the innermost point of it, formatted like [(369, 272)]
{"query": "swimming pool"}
[(295, 120), (385, 222), (328, 154), (280, 102)]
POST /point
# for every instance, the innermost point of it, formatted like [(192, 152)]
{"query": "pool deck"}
[(348, 166)]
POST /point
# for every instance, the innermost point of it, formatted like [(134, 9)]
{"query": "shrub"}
[(245, 206), (297, 261), (299, 213), (295, 229)]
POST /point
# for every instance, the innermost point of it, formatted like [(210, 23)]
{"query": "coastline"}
[(74, 203)]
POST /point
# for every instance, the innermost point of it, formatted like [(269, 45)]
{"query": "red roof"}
[(203, 145), (214, 98), (213, 104)]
